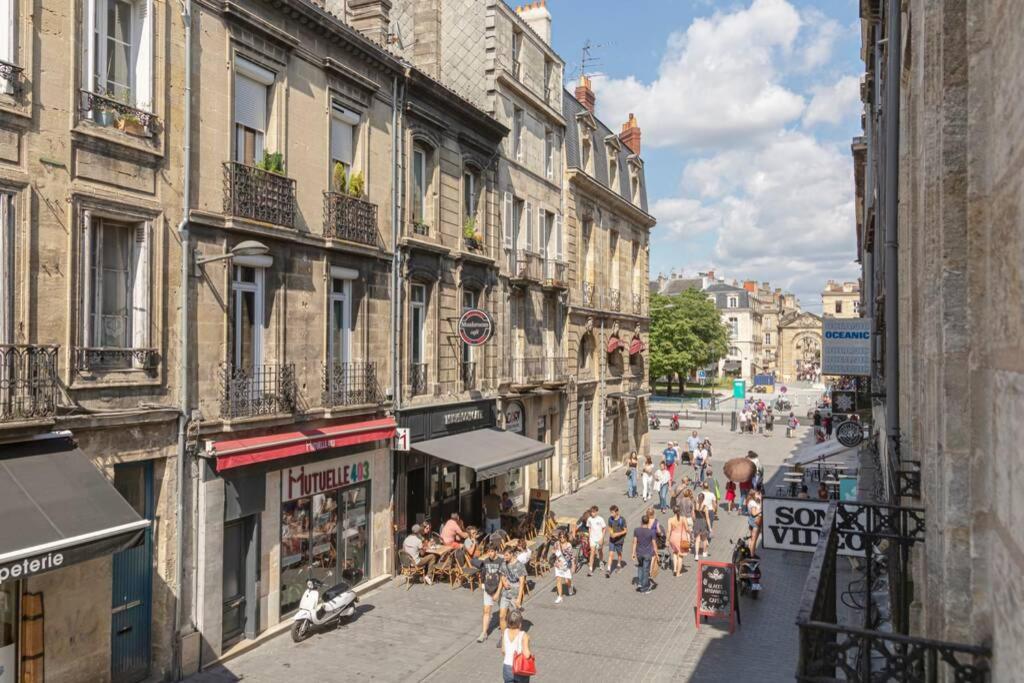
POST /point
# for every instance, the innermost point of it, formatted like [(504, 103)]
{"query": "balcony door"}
[(6, 268), (343, 378), (417, 338), (247, 318), (252, 90)]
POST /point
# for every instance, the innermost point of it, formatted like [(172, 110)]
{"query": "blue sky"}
[(747, 110)]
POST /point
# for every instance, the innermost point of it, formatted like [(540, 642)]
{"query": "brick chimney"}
[(585, 94), (372, 18), (630, 134), (537, 17), (750, 286)]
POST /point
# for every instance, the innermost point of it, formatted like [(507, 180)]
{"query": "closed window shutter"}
[(343, 131), (88, 275), (542, 233), (88, 72), (529, 226), (250, 103), (558, 236), (507, 223), (142, 47), (140, 286)]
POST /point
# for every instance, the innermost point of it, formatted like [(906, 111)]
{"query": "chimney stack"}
[(372, 18), (585, 94), (537, 17), (750, 286), (630, 134)]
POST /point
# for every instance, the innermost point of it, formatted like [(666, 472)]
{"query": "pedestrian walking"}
[(678, 539), (754, 520), (769, 421), (491, 567), (514, 641), (643, 553), (792, 425), (701, 461), (827, 424), (565, 566), (669, 460), (647, 477), (513, 586), (701, 527), (631, 468), (713, 486), (692, 444), (661, 482), (616, 539), (730, 495), (595, 530), (492, 512)]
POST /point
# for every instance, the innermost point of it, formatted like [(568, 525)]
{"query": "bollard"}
[(733, 422)]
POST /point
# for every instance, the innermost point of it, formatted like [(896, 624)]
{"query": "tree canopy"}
[(687, 333)]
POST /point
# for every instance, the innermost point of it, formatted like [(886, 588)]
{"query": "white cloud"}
[(834, 103), (684, 217), (717, 83), (821, 34)]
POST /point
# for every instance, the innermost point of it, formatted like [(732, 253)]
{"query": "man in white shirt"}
[(595, 528), (413, 546), (692, 444)]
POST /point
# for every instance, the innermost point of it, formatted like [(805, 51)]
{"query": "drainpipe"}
[(396, 259), (892, 145), (183, 360)]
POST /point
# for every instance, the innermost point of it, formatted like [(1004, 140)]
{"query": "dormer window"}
[(613, 167)]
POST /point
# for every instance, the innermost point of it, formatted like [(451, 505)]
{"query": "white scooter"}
[(338, 601)]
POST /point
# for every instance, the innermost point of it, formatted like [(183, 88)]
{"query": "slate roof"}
[(722, 293), (570, 108), (676, 285)]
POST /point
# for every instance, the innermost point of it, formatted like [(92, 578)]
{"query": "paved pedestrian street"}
[(606, 632)]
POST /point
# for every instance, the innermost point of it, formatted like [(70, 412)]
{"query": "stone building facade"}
[(956, 255), (799, 349), (90, 178), (742, 319), (840, 300)]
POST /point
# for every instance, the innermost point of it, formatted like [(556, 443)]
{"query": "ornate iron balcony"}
[(587, 292), (11, 73), (350, 218), (418, 379), (614, 300), (556, 273), (468, 372), (90, 359), (638, 303), (28, 382), (527, 268), (250, 192), (259, 390), (525, 370), (106, 111), (350, 384)]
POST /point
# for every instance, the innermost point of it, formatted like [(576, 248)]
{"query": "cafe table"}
[(793, 480)]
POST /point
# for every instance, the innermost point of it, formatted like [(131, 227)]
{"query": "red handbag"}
[(523, 665)]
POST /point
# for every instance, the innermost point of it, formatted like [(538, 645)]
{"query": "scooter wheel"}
[(300, 631)]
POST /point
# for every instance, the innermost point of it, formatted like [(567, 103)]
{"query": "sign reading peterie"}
[(475, 327), (320, 477), (846, 346), (794, 524), (120, 538), (716, 592), (850, 433)]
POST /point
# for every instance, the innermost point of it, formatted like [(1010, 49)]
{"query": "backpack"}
[(492, 578)]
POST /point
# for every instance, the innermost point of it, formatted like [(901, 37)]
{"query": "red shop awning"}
[(636, 346), (614, 343), (242, 452)]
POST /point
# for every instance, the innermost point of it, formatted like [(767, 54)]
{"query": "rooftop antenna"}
[(587, 58)]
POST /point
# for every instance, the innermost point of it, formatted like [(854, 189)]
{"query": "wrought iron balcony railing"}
[(253, 193), (349, 384), (587, 294), (468, 374), (638, 303), (831, 651), (525, 370), (10, 78), (107, 111), (28, 382), (556, 273), (613, 299), (259, 390), (910, 479), (350, 218), (420, 229), (557, 370), (87, 359), (418, 379), (528, 267)]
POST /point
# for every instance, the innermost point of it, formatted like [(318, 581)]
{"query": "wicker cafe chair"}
[(444, 568), (462, 571), (539, 562), (410, 569)]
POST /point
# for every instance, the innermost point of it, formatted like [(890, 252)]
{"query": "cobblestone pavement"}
[(605, 632)]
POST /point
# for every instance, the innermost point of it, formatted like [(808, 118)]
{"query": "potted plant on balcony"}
[(339, 179), (130, 123), (272, 162), (474, 238), (356, 185)]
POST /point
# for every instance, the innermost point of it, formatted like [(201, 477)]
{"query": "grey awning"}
[(488, 451), (732, 365), (66, 510)]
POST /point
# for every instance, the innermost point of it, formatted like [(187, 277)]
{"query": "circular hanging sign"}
[(475, 327), (850, 433)]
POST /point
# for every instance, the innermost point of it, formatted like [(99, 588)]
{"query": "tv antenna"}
[(587, 58)]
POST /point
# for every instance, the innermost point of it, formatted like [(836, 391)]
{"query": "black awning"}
[(65, 508), (488, 451)]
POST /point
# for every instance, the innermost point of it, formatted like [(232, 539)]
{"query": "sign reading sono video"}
[(794, 524), (846, 346)]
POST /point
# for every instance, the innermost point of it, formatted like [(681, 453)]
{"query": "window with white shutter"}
[(343, 137), (252, 93), (558, 238), (118, 44), (506, 223), (529, 226), (544, 233)]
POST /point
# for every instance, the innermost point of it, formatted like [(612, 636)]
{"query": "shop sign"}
[(402, 439), (850, 433), (794, 524), (475, 327), (320, 477), (465, 415), (716, 592), (846, 346), (514, 421)]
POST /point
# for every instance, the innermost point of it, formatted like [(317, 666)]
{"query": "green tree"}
[(687, 333)]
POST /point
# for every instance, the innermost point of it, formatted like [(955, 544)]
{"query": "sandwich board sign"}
[(716, 593)]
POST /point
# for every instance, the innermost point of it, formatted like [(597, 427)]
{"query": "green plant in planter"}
[(469, 229), (356, 185), (339, 179), (271, 161)]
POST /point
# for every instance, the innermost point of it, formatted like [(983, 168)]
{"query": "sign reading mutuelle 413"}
[(475, 327), (846, 346)]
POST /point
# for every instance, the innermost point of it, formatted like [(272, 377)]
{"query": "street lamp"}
[(244, 248)]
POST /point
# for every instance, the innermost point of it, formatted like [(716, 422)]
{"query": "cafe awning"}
[(58, 509), (822, 451), (488, 451), (732, 366), (241, 452)]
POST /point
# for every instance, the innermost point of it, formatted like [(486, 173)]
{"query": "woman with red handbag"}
[(518, 664)]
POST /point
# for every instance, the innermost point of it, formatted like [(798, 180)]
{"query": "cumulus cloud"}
[(820, 35), (683, 217), (834, 103)]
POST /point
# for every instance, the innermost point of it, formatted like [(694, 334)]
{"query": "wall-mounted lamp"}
[(245, 248)]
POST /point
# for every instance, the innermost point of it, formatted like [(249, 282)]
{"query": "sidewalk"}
[(606, 632)]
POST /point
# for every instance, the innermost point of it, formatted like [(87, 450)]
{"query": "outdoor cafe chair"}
[(410, 568)]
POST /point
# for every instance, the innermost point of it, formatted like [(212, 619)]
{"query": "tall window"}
[(419, 184), (613, 257), (734, 302), (119, 50), (343, 138), (247, 317), (549, 154), (7, 34), (588, 250), (518, 210), (549, 70), (252, 91), (613, 168), (839, 307), (585, 152), (734, 328), (469, 298), (340, 341), (417, 323), (470, 195), (517, 49), (517, 133), (6, 270), (116, 296), (767, 338)]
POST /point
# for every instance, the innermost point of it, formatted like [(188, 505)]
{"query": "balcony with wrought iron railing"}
[(28, 382), (467, 371), (525, 371), (418, 379), (109, 112), (588, 294), (255, 391), (258, 195), (527, 267), (638, 303), (10, 78), (613, 299), (349, 384), (556, 274), (557, 370), (880, 648), (350, 218), (92, 359)]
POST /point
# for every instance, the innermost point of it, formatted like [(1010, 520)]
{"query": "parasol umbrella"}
[(740, 470)]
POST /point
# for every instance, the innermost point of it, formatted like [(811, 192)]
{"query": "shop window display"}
[(8, 628)]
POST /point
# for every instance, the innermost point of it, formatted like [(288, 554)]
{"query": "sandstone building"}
[(840, 300)]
